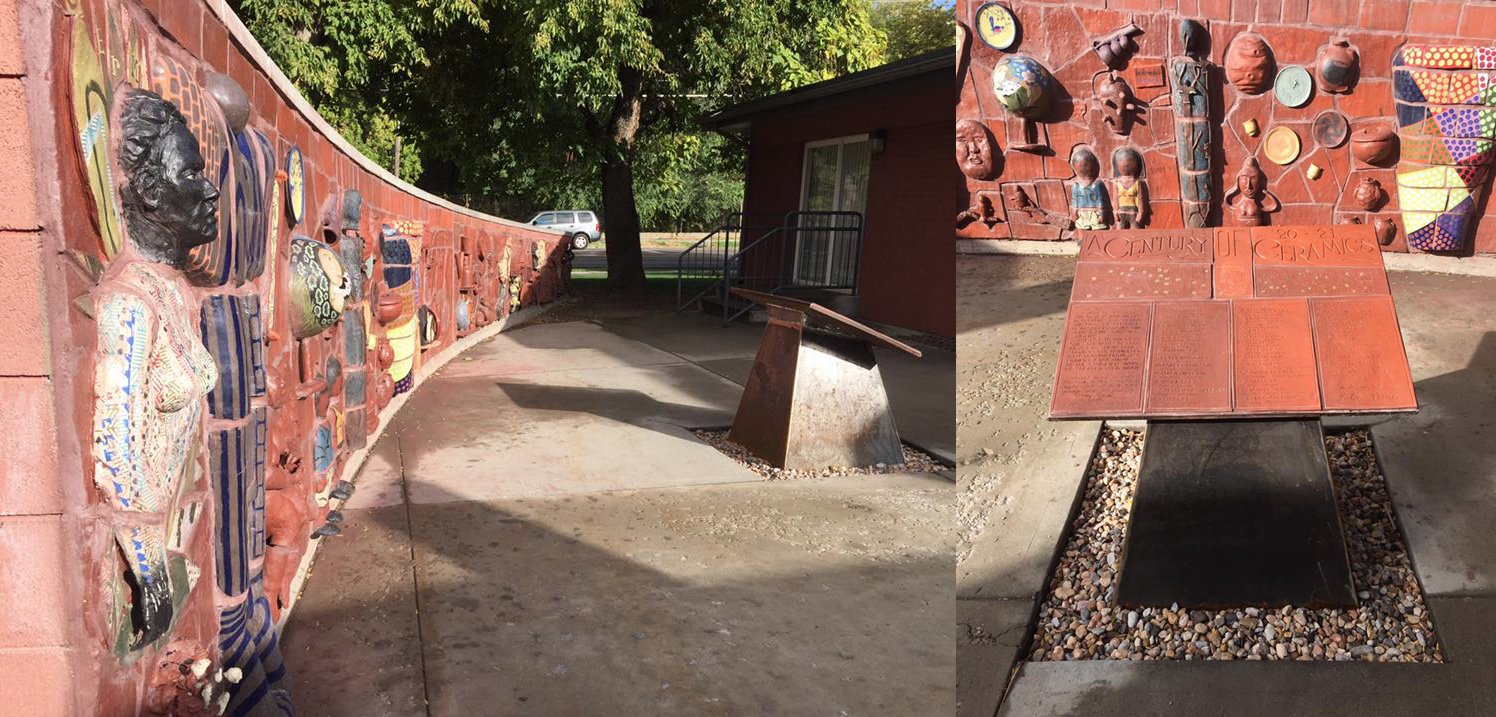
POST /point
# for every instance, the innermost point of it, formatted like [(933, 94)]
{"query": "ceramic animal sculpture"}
[(1192, 129), (1251, 200), (1117, 46), (1249, 64), (1087, 194), (319, 287), (152, 372), (1130, 188), (974, 149)]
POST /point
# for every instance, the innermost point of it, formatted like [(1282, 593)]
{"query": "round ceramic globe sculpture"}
[(1023, 86)]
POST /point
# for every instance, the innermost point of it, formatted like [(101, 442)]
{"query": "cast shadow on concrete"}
[(515, 617)]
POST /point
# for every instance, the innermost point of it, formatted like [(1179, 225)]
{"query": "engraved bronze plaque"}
[(1320, 281), (1189, 358), (1096, 281), (1228, 327), (1150, 245), (1102, 359), (1273, 357), (1362, 365)]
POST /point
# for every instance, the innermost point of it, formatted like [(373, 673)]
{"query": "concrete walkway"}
[(539, 533), (1019, 475)]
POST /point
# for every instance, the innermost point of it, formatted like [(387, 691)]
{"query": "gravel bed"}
[(915, 461), (1079, 620)]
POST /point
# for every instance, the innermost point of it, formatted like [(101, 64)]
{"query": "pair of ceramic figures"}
[(1088, 203)]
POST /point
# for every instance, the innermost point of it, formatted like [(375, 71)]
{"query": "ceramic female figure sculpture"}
[(1087, 195), (152, 371), (974, 149), (1251, 200), (1249, 64), (1127, 167)]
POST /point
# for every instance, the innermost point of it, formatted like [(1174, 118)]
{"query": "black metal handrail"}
[(806, 250)]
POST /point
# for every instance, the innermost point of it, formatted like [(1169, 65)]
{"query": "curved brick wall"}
[(174, 436), (1059, 35)]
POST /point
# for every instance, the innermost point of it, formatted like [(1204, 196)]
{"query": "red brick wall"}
[(58, 560), (907, 273), (1059, 36)]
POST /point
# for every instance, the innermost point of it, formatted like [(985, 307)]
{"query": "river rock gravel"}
[(1079, 620), (915, 461)]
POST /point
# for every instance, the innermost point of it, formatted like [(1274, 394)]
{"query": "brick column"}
[(40, 614)]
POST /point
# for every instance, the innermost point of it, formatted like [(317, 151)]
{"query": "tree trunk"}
[(620, 213)]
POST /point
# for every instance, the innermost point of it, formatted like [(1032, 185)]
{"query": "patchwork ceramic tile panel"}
[(1202, 323), (1445, 161), (231, 454), (230, 327)]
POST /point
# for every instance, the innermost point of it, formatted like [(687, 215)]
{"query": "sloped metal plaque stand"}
[(1233, 514), (816, 400)]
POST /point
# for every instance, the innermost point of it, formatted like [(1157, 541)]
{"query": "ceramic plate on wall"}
[(1281, 145)]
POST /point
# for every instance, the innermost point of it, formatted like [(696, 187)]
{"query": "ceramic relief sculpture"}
[(974, 150), (1192, 126), (1026, 90), (1446, 112), (1249, 199), (1117, 105), (151, 371), (1087, 194), (1117, 47), (1374, 144), (1130, 189), (1249, 64), (1368, 195), (319, 287), (92, 96), (212, 263), (1338, 65), (401, 252)]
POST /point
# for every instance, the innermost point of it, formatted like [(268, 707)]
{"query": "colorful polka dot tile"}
[(1410, 114), (1426, 177), (1433, 85), (1415, 199), (1458, 122), (1471, 152), (1485, 58), (1404, 88), (1425, 150), (1444, 57), (1474, 175), (1434, 237), (1413, 221), (1487, 121), (1464, 88)]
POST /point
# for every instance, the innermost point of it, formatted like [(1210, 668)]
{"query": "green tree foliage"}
[(518, 105), (355, 61), (914, 27)]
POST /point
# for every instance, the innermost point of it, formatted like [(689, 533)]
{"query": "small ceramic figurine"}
[(1249, 64), (974, 149), (1252, 200), (1368, 195), (1087, 194), (1131, 190), (1117, 47), (980, 211)]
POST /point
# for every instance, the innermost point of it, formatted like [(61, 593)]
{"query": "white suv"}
[(581, 227)]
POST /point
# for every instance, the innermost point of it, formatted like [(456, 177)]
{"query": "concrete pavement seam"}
[(415, 579)]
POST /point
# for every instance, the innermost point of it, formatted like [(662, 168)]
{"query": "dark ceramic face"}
[(973, 149), (188, 202), (1127, 164), (1085, 165)]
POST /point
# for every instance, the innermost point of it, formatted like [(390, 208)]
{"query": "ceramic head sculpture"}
[(1127, 168), (169, 206), (319, 287), (1194, 38), (1249, 64), (974, 149)]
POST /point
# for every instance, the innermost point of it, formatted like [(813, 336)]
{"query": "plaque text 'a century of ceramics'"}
[(1219, 322)]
